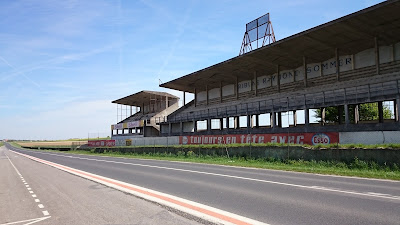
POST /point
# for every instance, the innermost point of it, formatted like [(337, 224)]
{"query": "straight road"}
[(273, 197), (34, 193)]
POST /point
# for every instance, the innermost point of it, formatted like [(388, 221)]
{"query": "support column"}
[(194, 126), (237, 88), (184, 98), (377, 55), (397, 108), (255, 83), (340, 114), (131, 110), (248, 122), (356, 114), (278, 78), (323, 114), (169, 129), (294, 118), (142, 109), (273, 119), (380, 111), (337, 65), (236, 122), (221, 123), (181, 127), (306, 116), (166, 102), (208, 124), (346, 114), (280, 119), (220, 91), (257, 120), (195, 97), (227, 122), (305, 71), (206, 94)]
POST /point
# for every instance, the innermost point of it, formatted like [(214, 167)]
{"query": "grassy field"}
[(44, 144)]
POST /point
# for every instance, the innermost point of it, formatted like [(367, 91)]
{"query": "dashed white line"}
[(26, 185), (45, 213), (34, 196), (31, 192), (37, 200), (29, 189), (41, 206)]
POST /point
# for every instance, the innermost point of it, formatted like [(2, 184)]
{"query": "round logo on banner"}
[(320, 138), (184, 140)]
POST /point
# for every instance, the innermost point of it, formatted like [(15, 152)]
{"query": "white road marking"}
[(37, 200), (386, 196), (41, 206), (31, 192), (34, 196), (26, 185), (205, 212), (26, 222), (45, 213), (29, 189)]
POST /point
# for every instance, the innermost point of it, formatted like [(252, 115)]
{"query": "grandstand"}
[(341, 64), (154, 108)]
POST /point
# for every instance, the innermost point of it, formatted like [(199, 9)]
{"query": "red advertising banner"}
[(101, 143), (292, 138)]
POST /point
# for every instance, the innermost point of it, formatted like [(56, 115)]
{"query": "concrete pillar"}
[(294, 118), (184, 98), (337, 64), (380, 111), (208, 124), (279, 119), (323, 114), (181, 127), (273, 119), (194, 126), (306, 116), (305, 71), (257, 120), (221, 123), (131, 110), (169, 129), (278, 78), (227, 122), (340, 114), (248, 122), (236, 122), (195, 97), (255, 83), (397, 108), (356, 114), (142, 109), (206, 94), (237, 88), (377, 55), (346, 114)]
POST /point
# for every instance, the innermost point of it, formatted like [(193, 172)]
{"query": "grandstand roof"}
[(350, 34), (142, 97)]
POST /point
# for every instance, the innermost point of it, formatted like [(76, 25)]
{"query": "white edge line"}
[(151, 198), (35, 220)]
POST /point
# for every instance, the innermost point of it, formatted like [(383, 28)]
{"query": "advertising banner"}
[(119, 126), (134, 124), (292, 138), (101, 143)]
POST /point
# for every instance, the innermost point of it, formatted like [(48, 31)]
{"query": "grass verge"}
[(356, 168)]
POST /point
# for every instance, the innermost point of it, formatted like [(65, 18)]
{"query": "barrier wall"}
[(370, 137)]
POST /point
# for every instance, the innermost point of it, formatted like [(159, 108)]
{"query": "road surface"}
[(268, 196)]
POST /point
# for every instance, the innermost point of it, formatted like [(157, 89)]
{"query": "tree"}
[(367, 112)]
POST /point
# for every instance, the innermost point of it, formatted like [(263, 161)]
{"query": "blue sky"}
[(63, 62)]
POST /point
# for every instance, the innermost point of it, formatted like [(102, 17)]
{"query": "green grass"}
[(1, 143), (356, 168)]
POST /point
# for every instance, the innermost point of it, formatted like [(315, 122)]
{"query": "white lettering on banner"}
[(119, 126), (133, 124)]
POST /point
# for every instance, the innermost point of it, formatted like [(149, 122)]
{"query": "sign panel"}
[(119, 126), (101, 143), (292, 138), (133, 124)]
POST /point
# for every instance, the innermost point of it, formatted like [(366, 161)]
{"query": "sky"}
[(63, 62)]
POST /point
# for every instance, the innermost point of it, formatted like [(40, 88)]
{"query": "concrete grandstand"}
[(350, 61)]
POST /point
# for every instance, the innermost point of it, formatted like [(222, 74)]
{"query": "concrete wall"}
[(213, 93), (371, 137), (140, 141), (364, 58), (397, 51), (188, 126)]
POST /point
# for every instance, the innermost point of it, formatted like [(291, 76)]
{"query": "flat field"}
[(50, 143)]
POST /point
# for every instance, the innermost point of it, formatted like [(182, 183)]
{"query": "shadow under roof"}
[(350, 34), (143, 97)]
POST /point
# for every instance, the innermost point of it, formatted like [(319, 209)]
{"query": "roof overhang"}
[(350, 34), (143, 97)]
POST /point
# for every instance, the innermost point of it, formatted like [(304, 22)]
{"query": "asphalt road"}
[(273, 197), (46, 195)]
